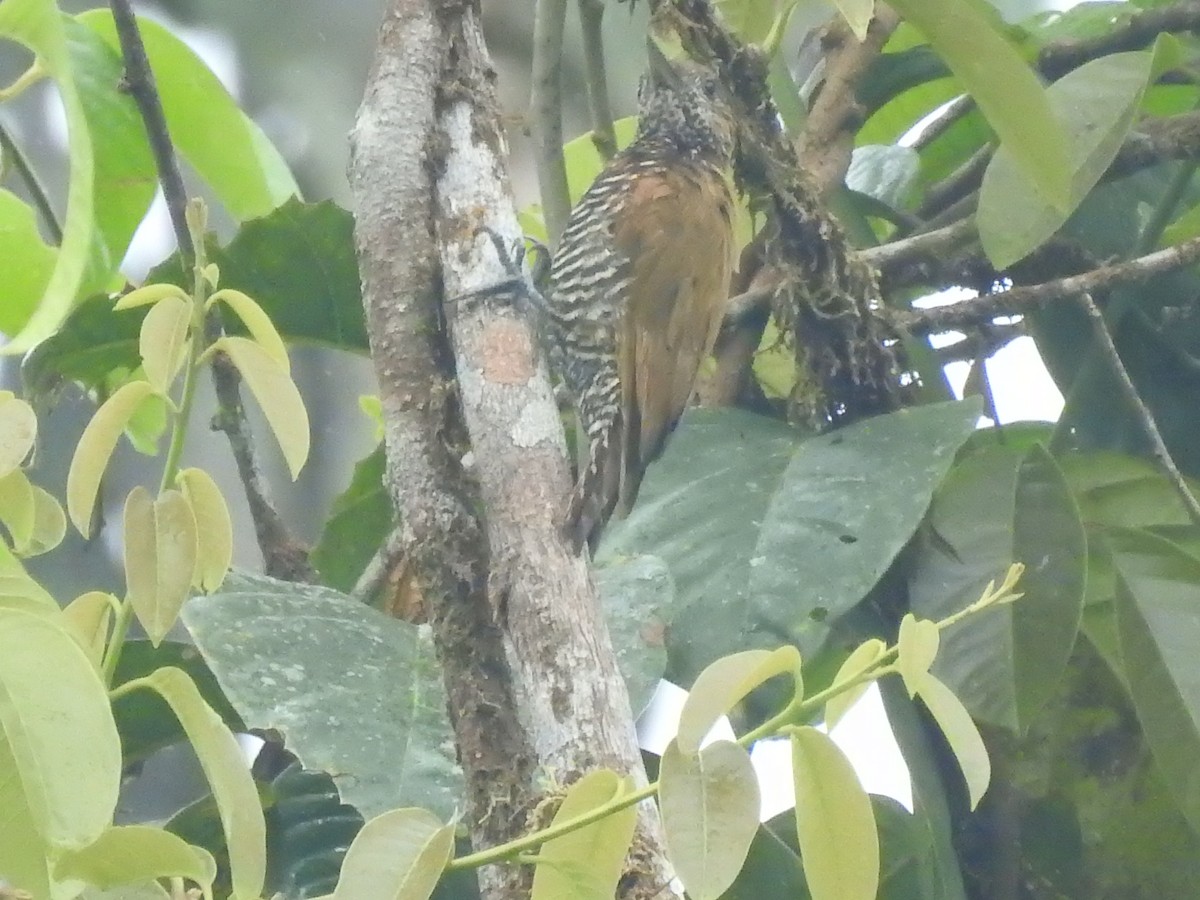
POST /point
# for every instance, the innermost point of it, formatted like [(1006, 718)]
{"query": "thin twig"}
[(940, 243), (37, 193), (282, 556), (139, 84), (952, 113), (1158, 446), (1022, 299), (546, 106), (591, 20)]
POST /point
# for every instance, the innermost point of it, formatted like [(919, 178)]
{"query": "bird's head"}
[(685, 103)]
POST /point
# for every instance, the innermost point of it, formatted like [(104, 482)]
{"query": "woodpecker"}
[(638, 286)]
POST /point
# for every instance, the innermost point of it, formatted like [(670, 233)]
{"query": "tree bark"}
[(476, 459)]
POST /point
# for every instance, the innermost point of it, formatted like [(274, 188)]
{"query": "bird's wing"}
[(676, 227)]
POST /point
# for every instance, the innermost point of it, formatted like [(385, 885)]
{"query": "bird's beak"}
[(662, 73)]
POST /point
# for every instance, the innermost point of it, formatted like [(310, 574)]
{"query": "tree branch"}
[(591, 18), (37, 194), (546, 106), (529, 668), (1022, 299), (283, 557), (1138, 31), (835, 116), (1137, 405)]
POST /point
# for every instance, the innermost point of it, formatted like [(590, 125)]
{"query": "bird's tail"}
[(597, 489)]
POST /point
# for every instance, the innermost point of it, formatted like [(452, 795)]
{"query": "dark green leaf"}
[(1001, 506), (1158, 594), (636, 594), (354, 692), (359, 522)]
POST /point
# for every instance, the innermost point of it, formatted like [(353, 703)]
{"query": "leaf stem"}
[(37, 193)]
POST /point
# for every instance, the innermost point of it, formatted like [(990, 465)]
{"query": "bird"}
[(638, 286)]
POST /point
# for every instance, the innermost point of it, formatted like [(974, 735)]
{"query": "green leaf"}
[(300, 266), (227, 773), (725, 683), (772, 867), (162, 342), (1001, 506), (635, 594), (125, 179), (323, 670), (399, 854), (846, 506), (939, 873), (961, 734), (276, 394), (95, 448), (916, 648), (88, 617), (710, 804), (834, 822), (22, 285), (17, 585), (887, 173), (225, 147), (49, 523), (1098, 105), (860, 659), (144, 720), (18, 430), (214, 528), (136, 853), (858, 15), (964, 34), (1158, 588), (39, 25), (23, 856), (160, 557), (17, 509), (586, 864), (770, 538), (360, 519), (258, 323), (56, 724)]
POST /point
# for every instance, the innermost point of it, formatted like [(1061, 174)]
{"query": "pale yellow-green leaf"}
[(858, 15), (586, 864), (916, 647), (961, 734), (398, 855), (96, 446), (57, 722), (710, 806), (725, 683), (257, 322), (18, 428), (162, 341), (49, 523), (88, 617), (17, 509), (214, 529), (150, 293), (18, 589), (148, 423), (41, 26), (835, 826), (22, 852), (276, 393), (228, 776), (160, 557), (863, 657), (211, 274), (130, 854)]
